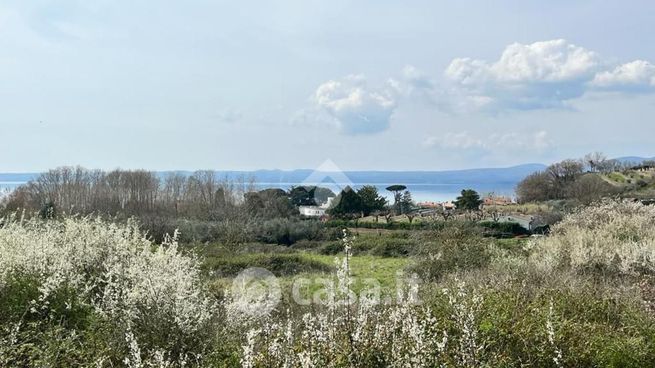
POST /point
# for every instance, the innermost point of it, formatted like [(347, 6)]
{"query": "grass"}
[(278, 264), (616, 177), (382, 269), (288, 268), (519, 305), (221, 264)]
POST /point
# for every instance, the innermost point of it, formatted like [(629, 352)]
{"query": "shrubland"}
[(584, 181), (80, 291), (609, 238)]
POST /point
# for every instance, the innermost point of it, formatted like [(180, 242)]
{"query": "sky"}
[(368, 84)]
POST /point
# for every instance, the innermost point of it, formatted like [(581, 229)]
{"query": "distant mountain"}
[(17, 178), (508, 176), (504, 176), (633, 159)]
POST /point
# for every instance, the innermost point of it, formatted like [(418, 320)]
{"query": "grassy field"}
[(84, 292), (289, 265)]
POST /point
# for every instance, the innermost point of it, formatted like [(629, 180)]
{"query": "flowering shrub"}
[(84, 292), (453, 249), (608, 237), (148, 296), (368, 334)]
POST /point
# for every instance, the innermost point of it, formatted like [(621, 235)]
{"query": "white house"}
[(526, 222), (312, 211), (315, 211)]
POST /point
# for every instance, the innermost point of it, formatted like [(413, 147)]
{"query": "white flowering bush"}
[(368, 334), (67, 274), (85, 292), (607, 237)]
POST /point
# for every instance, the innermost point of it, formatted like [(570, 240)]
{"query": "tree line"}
[(575, 179), (76, 190)]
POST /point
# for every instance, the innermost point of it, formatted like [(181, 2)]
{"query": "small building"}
[(429, 204), (448, 205), (316, 211), (496, 201), (312, 211), (527, 222)]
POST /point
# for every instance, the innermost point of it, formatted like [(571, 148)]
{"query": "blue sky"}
[(384, 85)]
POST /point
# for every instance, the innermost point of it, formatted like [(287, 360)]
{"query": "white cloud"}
[(356, 108), (638, 74), (539, 75), (416, 79), (496, 142)]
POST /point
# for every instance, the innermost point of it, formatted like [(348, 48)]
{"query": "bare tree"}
[(595, 161)]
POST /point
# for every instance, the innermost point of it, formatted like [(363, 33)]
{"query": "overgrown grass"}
[(88, 293), (278, 264)]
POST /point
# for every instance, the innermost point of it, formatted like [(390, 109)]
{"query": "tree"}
[(563, 174), (609, 166), (174, 185), (397, 195), (48, 211), (535, 187), (377, 214), (553, 183), (589, 188), (347, 204), (446, 214), (492, 208), (469, 200), (406, 203), (371, 200), (269, 204), (595, 161), (302, 196), (388, 217), (322, 194)]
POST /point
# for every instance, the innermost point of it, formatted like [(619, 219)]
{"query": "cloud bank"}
[(541, 75), (638, 75)]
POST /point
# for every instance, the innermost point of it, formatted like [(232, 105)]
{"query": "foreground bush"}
[(344, 332), (608, 238), (83, 291), (279, 264), (454, 248), (503, 229), (287, 231)]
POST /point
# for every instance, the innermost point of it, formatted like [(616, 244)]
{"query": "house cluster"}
[(646, 167), (450, 205), (447, 205), (316, 211), (497, 201)]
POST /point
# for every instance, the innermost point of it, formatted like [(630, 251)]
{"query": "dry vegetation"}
[(84, 292)]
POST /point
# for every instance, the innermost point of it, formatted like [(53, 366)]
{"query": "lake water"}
[(420, 192), (6, 186)]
